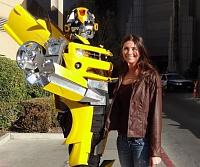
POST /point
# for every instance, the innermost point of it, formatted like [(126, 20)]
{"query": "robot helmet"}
[(81, 22)]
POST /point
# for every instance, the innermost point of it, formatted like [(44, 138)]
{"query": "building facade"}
[(170, 32), (149, 19)]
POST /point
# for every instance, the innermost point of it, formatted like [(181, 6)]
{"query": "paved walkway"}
[(43, 150)]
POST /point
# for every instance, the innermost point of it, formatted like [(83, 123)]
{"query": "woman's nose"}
[(130, 51)]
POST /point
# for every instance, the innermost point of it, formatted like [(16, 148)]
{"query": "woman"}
[(137, 107)]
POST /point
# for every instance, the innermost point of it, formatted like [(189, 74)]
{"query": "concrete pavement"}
[(44, 150)]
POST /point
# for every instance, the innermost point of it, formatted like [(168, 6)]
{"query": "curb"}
[(42, 136), (4, 138)]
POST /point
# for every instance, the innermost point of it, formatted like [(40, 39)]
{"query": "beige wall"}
[(8, 46), (6, 6)]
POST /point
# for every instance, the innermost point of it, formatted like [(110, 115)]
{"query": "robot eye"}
[(88, 32), (87, 22)]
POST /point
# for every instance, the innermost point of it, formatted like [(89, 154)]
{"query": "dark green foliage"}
[(8, 114), (34, 91), (12, 84)]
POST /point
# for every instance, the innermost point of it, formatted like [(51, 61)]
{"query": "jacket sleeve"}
[(155, 117)]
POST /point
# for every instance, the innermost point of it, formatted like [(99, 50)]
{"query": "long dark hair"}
[(144, 64)]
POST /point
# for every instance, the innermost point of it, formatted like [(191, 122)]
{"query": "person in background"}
[(136, 107), (196, 89)]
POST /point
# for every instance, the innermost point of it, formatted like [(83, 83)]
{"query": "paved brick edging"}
[(165, 158)]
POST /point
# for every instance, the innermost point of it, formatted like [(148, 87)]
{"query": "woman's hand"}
[(154, 161)]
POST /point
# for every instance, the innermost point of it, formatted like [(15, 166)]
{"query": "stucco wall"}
[(8, 46)]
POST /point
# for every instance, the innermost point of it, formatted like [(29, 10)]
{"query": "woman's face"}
[(130, 53)]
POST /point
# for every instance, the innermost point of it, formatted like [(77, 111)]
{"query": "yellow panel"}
[(80, 135), (73, 76), (80, 154), (97, 77), (56, 89), (22, 27), (73, 46), (97, 64), (80, 131), (88, 65), (84, 40)]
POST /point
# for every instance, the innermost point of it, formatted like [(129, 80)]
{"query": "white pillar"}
[(60, 14), (58, 4), (54, 4)]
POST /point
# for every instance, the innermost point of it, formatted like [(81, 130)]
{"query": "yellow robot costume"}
[(82, 81)]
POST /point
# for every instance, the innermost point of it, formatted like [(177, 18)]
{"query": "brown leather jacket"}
[(144, 112)]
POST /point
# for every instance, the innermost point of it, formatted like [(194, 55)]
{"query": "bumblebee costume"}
[(76, 72)]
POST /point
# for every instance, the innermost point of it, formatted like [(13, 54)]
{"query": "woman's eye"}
[(125, 49), (134, 49)]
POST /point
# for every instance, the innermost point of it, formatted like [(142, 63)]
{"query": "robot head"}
[(81, 22)]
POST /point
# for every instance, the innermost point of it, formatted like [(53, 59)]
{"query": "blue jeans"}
[(133, 152)]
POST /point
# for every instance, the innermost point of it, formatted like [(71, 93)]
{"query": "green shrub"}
[(34, 91), (8, 114), (13, 89), (36, 115), (13, 86)]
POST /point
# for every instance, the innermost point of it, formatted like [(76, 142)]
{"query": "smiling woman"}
[(136, 107), (130, 53)]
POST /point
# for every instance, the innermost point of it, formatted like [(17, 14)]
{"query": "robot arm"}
[(68, 82)]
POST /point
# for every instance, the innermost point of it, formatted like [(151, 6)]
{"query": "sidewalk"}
[(44, 150)]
